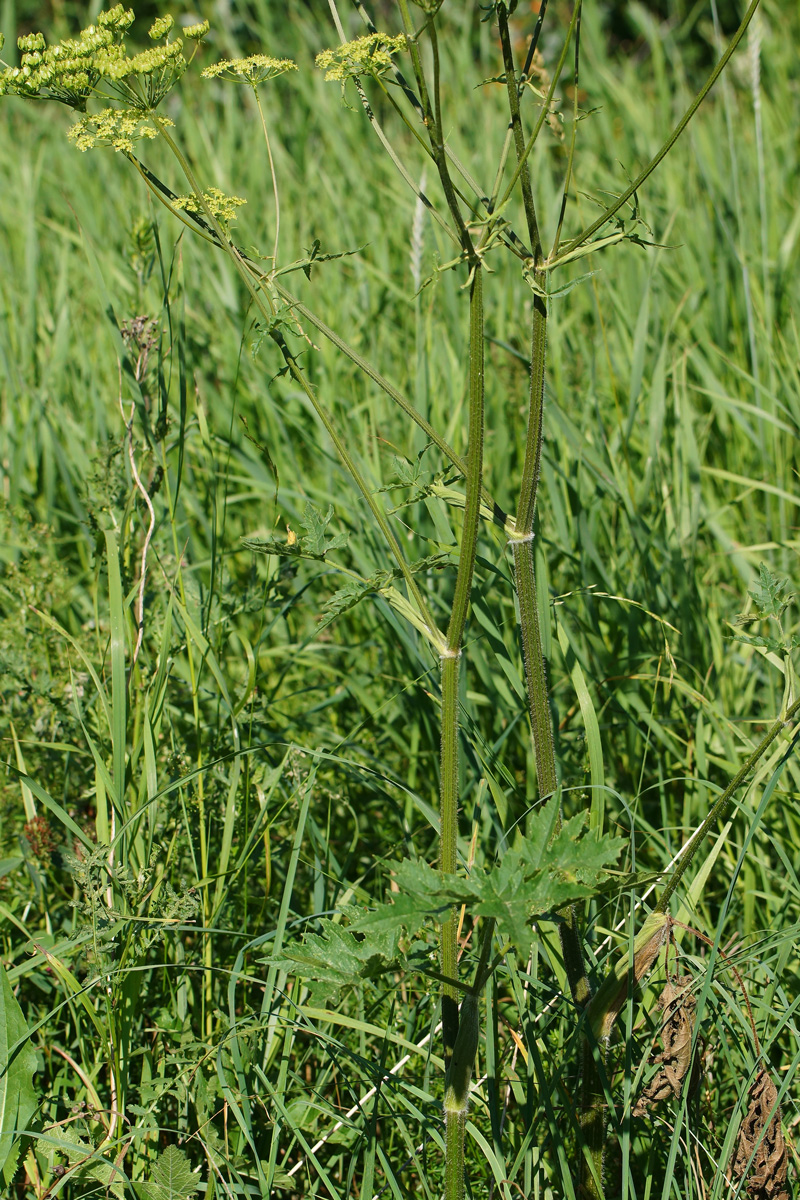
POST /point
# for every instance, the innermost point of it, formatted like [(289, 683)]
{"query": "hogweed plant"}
[(492, 912)]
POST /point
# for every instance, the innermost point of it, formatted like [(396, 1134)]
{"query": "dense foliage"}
[(203, 1011)]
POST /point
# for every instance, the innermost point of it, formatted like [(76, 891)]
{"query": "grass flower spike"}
[(369, 55)]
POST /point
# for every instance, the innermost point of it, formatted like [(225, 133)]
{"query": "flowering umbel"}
[(115, 127), (70, 70), (222, 206), (97, 63), (256, 69), (368, 55)]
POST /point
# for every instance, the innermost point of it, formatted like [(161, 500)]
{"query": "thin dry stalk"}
[(761, 1144), (678, 1005)]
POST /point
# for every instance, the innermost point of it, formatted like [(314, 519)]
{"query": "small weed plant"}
[(494, 995)]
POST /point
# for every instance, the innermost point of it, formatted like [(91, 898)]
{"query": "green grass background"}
[(271, 771)]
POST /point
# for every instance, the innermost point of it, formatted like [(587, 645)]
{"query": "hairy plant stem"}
[(459, 1072), (522, 159), (455, 1126), (522, 547), (455, 1118), (590, 1095), (457, 1029), (452, 654), (448, 840), (590, 1110)]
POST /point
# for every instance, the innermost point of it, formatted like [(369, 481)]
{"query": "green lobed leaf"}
[(355, 590), (768, 595), (351, 594), (337, 959), (406, 473), (316, 541), (546, 871), (773, 645), (171, 1178)]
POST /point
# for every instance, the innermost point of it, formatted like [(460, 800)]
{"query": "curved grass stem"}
[(722, 804)]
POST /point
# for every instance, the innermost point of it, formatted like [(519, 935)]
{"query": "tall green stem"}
[(535, 673), (590, 1111), (448, 840), (516, 129), (469, 538), (590, 1095), (455, 1117), (590, 1106)]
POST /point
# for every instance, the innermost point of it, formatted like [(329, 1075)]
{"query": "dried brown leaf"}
[(767, 1175), (678, 1005)]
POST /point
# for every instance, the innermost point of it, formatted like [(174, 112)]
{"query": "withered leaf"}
[(767, 1175), (678, 1005)]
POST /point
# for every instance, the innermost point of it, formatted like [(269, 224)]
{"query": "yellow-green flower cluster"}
[(115, 127), (256, 69), (223, 207), (160, 28), (368, 55), (68, 71), (71, 70), (196, 32), (144, 80)]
